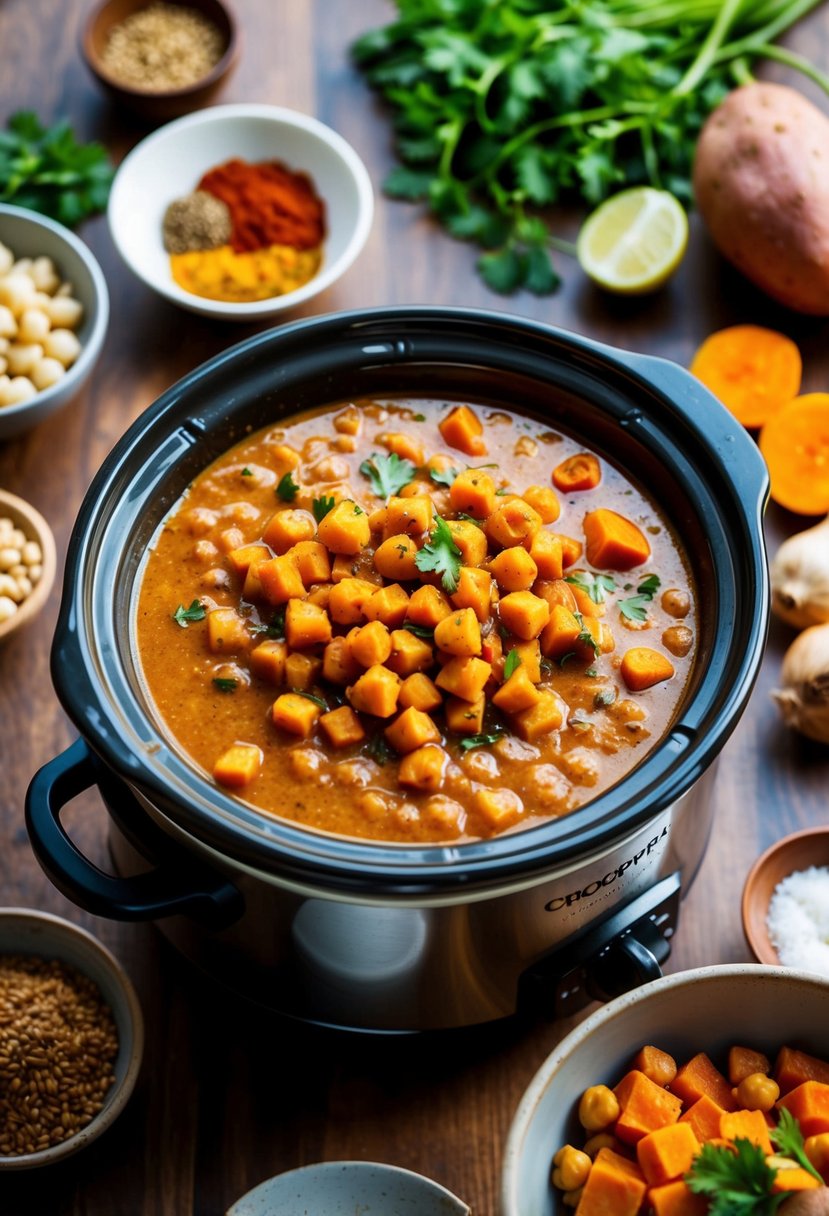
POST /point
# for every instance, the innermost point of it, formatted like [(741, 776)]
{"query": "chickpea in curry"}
[(415, 621)]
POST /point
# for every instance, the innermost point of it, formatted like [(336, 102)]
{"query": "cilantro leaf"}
[(420, 631), (443, 477), (286, 488), (788, 1137), (467, 743), (196, 612), (275, 628), (321, 506), (310, 696), (246, 472), (585, 636), (635, 607), (737, 1181), (47, 170), (441, 555), (596, 588), (387, 474), (225, 684), (511, 663)]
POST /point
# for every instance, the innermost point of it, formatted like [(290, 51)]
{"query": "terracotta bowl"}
[(153, 105), (795, 852), (32, 524)]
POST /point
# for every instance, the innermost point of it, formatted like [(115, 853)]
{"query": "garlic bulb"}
[(804, 698), (800, 578)]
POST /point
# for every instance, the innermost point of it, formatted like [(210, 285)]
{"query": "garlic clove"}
[(800, 578), (803, 700)]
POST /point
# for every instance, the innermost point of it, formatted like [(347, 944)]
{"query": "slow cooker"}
[(388, 937)]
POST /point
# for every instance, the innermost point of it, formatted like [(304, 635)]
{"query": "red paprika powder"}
[(269, 204)]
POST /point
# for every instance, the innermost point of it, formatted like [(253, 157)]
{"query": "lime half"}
[(634, 241)]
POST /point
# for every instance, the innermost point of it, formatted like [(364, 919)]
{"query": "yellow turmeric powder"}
[(240, 278)]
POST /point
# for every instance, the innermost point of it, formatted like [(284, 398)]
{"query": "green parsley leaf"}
[(196, 612), (310, 696), (470, 519), (469, 741), (635, 608), (287, 489), (596, 588), (225, 684), (419, 418), (441, 555), (443, 477), (275, 628), (379, 749), (246, 472), (737, 1181), (47, 170), (321, 507), (511, 663), (420, 631), (788, 1137), (585, 636), (387, 474)]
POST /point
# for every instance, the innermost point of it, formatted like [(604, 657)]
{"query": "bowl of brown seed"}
[(161, 58), (71, 1038)]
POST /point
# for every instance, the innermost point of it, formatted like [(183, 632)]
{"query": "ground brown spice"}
[(162, 47), (58, 1044), (197, 221)]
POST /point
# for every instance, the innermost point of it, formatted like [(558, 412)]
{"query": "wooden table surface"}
[(229, 1097)]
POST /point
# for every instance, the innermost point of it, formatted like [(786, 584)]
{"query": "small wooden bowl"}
[(34, 527), (796, 852), (151, 104)]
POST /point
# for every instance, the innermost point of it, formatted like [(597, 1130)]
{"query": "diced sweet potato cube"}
[(459, 634), (409, 653), (280, 580), (238, 765), (348, 566), (287, 528), (643, 667), (793, 1067), (744, 1062), (530, 655), (656, 1064), (561, 633), (796, 1179), (543, 500), (474, 591), (571, 550), (312, 561), (464, 677), (404, 446), (245, 556), (371, 644), (345, 528), (584, 604), (395, 558), (512, 523), (514, 569), (226, 631), (465, 717), (306, 625), (302, 670), (348, 599), (267, 661), (498, 809), (544, 716), (252, 586), (746, 1125), (613, 541), (284, 456), (375, 692), (809, 1103), (524, 614), (342, 727), (423, 769), (667, 1153), (677, 1199), (348, 421), (410, 516), (338, 664), (462, 429), (517, 693), (492, 650), (615, 1187), (704, 1118), (470, 540), (473, 492), (296, 714), (643, 1107), (556, 591), (320, 594), (699, 1076), (428, 606), (412, 729), (545, 550), (419, 691), (388, 604)]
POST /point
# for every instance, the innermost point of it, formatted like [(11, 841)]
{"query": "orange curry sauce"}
[(441, 650)]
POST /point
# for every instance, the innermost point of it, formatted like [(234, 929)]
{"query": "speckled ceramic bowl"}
[(341, 1188)]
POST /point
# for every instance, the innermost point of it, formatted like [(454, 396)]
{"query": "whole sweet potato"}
[(761, 180)]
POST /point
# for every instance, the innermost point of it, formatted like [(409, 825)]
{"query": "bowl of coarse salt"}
[(785, 905)]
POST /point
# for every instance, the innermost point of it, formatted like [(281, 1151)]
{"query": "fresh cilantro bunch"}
[(505, 107), (47, 170)]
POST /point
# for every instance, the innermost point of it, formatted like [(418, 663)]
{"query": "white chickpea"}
[(36, 573), (4, 345), (63, 345), (7, 608), (47, 372), (205, 551), (7, 584), (4, 365), (44, 275), (19, 570), (6, 528), (16, 292), (9, 557), (17, 391), (64, 312), (22, 357), (17, 538), (6, 259), (33, 325), (65, 289), (24, 585), (31, 553), (8, 325), (22, 266)]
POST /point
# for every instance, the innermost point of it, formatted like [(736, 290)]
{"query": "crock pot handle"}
[(177, 887)]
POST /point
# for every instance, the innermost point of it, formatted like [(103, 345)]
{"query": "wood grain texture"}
[(229, 1096)]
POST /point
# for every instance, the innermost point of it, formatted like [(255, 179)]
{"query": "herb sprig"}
[(45, 169), (441, 555), (635, 607), (196, 612), (387, 474), (287, 489), (596, 587)]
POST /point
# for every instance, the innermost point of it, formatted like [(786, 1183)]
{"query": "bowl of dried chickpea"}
[(54, 310), (71, 1038), (27, 562)]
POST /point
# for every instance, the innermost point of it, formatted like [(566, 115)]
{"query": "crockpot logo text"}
[(567, 901)]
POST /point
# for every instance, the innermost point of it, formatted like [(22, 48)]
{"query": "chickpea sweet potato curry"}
[(415, 620)]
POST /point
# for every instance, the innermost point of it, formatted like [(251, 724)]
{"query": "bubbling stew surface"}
[(415, 620)]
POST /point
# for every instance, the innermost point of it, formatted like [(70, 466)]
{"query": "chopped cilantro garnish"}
[(321, 507), (225, 684), (635, 608), (443, 477), (596, 588), (466, 744), (512, 663), (310, 696), (470, 519), (387, 474), (286, 488), (420, 631), (246, 472), (196, 612), (275, 628), (378, 749), (441, 555), (419, 418), (788, 1137)]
